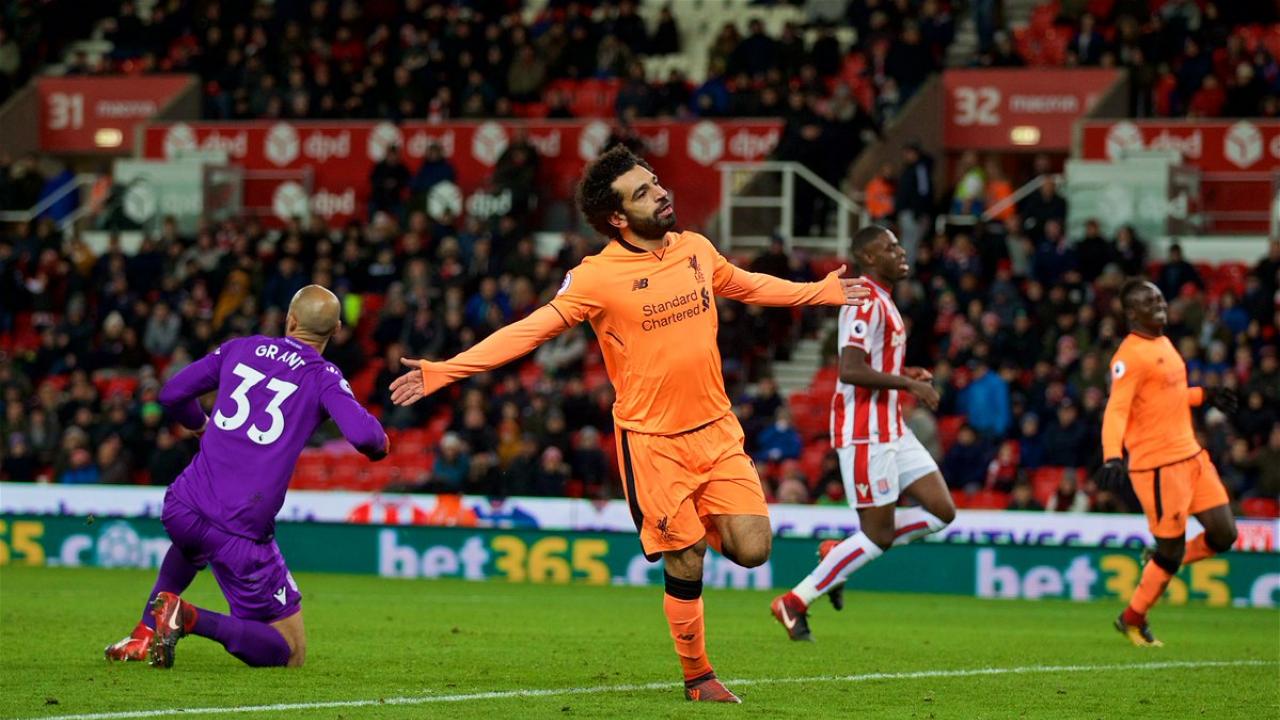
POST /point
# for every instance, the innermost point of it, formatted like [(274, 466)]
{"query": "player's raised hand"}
[(917, 373), (407, 389), (855, 290)]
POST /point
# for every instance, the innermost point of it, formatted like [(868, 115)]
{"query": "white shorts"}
[(874, 474)]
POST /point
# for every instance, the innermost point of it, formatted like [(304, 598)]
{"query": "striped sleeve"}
[(860, 328)]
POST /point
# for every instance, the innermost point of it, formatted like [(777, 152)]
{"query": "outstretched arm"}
[(500, 348), (180, 397), (759, 289), (360, 428)]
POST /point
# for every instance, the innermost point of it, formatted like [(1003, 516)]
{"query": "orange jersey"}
[(1149, 411), (655, 316)]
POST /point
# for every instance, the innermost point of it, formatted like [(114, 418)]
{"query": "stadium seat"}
[(1045, 481), (1271, 40), (412, 465), (596, 378), (960, 498), (57, 382), (1260, 507), (810, 415), (362, 382), (988, 500), (1232, 276), (811, 459), (111, 387), (530, 373), (826, 377), (345, 471), (412, 441), (948, 428), (311, 472)]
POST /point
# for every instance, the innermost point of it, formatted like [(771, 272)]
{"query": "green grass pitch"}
[(419, 644)]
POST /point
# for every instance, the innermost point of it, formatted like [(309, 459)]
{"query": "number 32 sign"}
[(1018, 109)]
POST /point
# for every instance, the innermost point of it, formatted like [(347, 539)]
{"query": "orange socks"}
[(1154, 581), (682, 605), (1197, 549)]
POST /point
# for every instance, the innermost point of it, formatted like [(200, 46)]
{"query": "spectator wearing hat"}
[(452, 466)]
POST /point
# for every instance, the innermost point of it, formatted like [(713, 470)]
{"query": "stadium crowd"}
[(413, 59), (1017, 320), (1193, 58)]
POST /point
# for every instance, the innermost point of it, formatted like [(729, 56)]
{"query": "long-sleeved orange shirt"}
[(655, 316), (1149, 411)]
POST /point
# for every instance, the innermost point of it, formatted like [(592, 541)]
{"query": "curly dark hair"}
[(596, 197)]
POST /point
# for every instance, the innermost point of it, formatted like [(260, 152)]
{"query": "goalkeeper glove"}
[(1112, 475), (1224, 399)]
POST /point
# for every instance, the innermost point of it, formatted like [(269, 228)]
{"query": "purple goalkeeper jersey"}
[(272, 395)]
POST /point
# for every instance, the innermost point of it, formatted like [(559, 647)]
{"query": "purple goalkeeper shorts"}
[(253, 577)]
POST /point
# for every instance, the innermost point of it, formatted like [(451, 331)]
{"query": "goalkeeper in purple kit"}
[(220, 512)]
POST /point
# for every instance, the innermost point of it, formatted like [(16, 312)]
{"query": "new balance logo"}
[(280, 596), (640, 284)]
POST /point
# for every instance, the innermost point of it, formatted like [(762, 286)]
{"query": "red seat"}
[(111, 387), (960, 498), (370, 305), (1232, 275), (1261, 507), (530, 374), (412, 441), (825, 378), (57, 382), (810, 414), (948, 428), (989, 500), (1045, 481), (362, 382), (311, 472), (345, 471), (596, 378), (811, 459)]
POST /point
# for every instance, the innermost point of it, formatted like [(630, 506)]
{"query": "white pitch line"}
[(555, 692)]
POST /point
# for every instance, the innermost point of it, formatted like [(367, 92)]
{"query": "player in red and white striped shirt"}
[(880, 458)]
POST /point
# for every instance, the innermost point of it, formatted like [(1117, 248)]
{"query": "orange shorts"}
[(674, 482), (1172, 493)]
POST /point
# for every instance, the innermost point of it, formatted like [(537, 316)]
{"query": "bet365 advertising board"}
[(540, 556)]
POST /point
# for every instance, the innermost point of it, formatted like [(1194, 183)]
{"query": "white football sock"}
[(851, 554), (914, 523)]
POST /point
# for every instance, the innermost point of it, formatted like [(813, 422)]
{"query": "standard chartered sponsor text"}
[(683, 313)]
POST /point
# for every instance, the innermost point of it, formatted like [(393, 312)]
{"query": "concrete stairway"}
[(797, 373)]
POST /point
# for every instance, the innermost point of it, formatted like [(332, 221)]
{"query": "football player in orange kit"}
[(1149, 416), (650, 297)]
